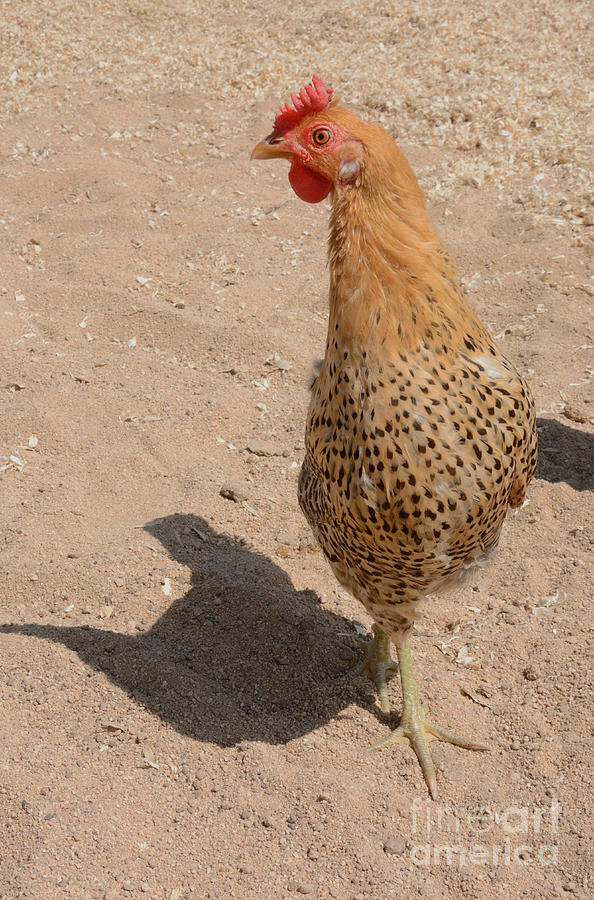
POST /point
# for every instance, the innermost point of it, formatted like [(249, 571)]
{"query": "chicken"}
[(420, 433)]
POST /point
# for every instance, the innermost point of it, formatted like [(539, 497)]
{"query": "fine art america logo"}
[(483, 836)]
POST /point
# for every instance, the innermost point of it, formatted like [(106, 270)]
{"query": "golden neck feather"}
[(391, 281)]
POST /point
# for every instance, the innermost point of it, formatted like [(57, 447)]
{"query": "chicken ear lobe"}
[(349, 170), (307, 184)]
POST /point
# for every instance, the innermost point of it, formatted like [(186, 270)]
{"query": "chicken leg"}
[(414, 728), (378, 664)]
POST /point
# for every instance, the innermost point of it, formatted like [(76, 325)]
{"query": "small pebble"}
[(515, 745), (395, 846), (234, 490), (530, 673), (288, 538), (277, 362), (571, 412), (263, 448)]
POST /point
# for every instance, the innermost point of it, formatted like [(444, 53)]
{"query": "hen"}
[(420, 433)]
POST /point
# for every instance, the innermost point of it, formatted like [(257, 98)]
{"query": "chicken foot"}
[(414, 729)]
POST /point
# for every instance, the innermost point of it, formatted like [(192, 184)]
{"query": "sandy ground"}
[(177, 715)]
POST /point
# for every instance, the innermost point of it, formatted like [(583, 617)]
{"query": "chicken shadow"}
[(242, 656), (565, 454)]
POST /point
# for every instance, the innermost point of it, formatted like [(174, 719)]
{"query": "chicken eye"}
[(321, 136)]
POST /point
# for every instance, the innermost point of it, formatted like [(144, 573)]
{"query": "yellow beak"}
[(272, 147)]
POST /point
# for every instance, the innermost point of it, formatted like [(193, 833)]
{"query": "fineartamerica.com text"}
[(518, 835)]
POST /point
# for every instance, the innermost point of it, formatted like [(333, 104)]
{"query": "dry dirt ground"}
[(178, 720)]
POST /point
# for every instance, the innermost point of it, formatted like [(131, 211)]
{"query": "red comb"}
[(313, 97)]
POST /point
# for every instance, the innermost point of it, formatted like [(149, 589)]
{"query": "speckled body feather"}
[(420, 433)]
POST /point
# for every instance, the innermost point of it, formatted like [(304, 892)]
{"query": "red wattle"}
[(308, 185)]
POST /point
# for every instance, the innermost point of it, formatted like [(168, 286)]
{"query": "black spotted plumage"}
[(425, 476)]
